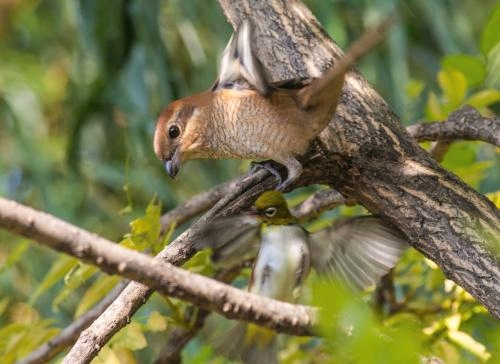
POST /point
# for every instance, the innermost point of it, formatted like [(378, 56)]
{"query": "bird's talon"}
[(256, 166)]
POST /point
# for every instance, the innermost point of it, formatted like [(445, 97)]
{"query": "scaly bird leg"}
[(293, 166)]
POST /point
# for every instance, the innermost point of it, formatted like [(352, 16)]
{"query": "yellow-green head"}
[(272, 209)]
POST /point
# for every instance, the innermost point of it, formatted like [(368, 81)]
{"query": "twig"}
[(439, 149), (464, 124), (317, 203), (198, 204)]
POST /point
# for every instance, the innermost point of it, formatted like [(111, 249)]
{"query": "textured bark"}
[(367, 155)]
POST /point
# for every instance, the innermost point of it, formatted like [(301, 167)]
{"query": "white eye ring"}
[(270, 211)]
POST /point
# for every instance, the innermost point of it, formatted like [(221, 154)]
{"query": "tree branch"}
[(464, 124), (161, 276)]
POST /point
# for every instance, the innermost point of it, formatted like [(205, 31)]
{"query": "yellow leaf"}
[(434, 110), (454, 86), (468, 343), (483, 98), (131, 337), (156, 322), (97, 291), (495, 198), (453, 322)]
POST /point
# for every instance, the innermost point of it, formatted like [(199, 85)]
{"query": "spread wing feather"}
[(358, 251)]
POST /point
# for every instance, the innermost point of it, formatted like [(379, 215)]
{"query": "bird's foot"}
[(268, 166)]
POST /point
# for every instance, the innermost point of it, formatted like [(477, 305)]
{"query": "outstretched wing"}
[(232, 239), (239, 67), (359, 250)]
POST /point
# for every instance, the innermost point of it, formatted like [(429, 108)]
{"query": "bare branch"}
[(463, 124), (317, 203), (439, 149), (164, 277), (198, 204)]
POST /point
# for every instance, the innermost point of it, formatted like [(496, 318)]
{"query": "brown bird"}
[(244, 116)]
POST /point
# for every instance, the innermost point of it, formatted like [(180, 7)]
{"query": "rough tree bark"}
[(365, 154)]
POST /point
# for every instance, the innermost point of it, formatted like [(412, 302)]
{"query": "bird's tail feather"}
[(248, 343)]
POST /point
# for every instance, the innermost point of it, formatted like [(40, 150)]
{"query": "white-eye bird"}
[(357, 251)]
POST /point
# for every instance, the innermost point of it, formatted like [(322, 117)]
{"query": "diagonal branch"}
[(161, 276)]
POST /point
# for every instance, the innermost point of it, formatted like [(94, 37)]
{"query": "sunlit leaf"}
[(131, 337), (156, 322), (77, 277), (495, 198), (434, 110), (454, 86), (483, 98), (16, 254), (467, 342)]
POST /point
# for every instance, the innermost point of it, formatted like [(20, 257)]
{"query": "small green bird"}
[(358, 251)]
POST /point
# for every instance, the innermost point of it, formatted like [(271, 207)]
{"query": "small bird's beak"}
[(173, 164), (252, 211)]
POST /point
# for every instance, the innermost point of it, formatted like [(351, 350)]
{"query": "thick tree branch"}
[(164, 277)]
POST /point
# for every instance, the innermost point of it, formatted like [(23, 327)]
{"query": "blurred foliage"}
[(81, 83)]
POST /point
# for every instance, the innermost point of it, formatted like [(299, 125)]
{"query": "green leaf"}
[(131, 337), (57, 272), (493, 68), (80, 274), (483, 98), (97, 291), (414, 88), (434, 110), (473, 68), (156, 322), (454, 86), (16, 254), (491, 36), (145, 230)]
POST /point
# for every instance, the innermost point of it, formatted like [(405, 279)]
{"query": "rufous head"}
[(177, 137)]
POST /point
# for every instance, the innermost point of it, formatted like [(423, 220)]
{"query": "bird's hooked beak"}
[(173, 164)]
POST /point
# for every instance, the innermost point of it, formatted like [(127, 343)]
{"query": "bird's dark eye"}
[(270, 211), (174, 131)]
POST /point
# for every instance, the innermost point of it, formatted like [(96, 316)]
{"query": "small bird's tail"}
[(248, 343)]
